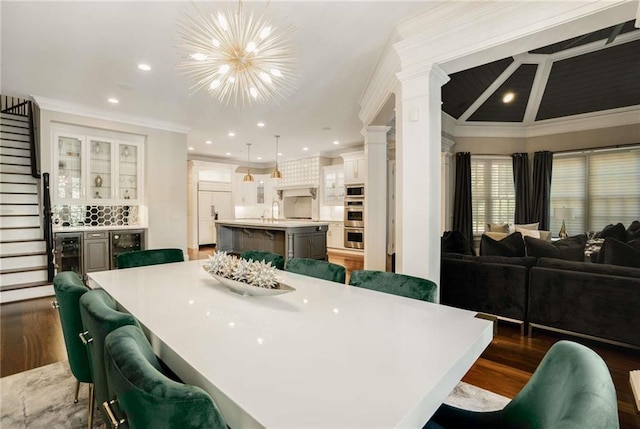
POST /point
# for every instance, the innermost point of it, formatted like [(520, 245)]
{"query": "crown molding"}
[(583, 122), (381, 84), (54, 105)]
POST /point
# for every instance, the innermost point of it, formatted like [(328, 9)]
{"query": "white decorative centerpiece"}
[(244, 276)]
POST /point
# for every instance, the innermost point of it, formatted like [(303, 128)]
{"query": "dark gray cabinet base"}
[(298, 242)]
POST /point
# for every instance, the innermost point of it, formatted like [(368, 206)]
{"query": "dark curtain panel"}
[(522, 185), (541, 202), (462, 213)]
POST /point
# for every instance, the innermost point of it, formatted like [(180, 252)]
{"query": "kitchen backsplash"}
[(81, 215)]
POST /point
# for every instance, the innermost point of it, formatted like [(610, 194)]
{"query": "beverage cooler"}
[(68, 252), (125, 241)]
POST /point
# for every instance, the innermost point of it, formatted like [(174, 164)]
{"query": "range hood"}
[(310, 190)]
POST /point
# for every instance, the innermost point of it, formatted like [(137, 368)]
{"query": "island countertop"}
[(267, 224)]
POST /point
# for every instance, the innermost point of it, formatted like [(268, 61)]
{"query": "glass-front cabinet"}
[(69, 178), (333, 184), (96, 170), (100, 168)]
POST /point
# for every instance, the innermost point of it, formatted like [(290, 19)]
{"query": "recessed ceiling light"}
[(208, 142), (144, 67), (261, 124), (113, 100), (508, 97), (305, 148), (191, 148), (259, 157), (228, 153), (279, 153), (231, 134), (336, 142)]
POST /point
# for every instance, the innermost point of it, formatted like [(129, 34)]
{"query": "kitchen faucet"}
[(275, 204), (266, 218)]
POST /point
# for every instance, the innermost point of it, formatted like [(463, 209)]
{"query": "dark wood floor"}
[(30, 337)]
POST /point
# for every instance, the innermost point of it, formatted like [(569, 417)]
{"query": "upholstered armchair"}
[(141, 396), (140, 258), (396, 284), (68, 287), (276, 259), (318, 269), (572, 388), (99, 318)]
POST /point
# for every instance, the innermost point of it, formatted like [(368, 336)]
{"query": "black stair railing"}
[(48, 225), (34, 146)]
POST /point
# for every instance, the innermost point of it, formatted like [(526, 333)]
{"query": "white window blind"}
[(600, 188), (568, 190), (492, 191), (614, 188)]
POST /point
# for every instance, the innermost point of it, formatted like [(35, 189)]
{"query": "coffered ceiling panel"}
[(496, 110), (600, 80), (466, 86)]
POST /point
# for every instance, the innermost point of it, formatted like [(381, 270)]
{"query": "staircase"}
[(23, 251)]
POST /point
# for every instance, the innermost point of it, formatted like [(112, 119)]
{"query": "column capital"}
[(446, 145), (425, 69), (374, 129)]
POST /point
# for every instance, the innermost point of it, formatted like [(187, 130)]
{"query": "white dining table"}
[(326, 355)]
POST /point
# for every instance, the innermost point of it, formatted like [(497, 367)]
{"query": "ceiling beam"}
[(614, 33), (491, 89), (537, 90), (595, 46)]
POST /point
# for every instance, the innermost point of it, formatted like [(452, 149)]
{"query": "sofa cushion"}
[(533, 233), (455, 242), (616, 231), (569, 249), (615, 252), (446, 255), (498, 227), (589, 268), (533, 226), (633, 232), (512, 260), (511, 245)]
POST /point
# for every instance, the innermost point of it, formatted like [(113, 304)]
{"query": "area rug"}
[(43, 398)]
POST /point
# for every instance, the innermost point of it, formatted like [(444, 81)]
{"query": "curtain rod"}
[(598, 148)]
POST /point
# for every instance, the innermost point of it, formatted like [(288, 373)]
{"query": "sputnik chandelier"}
[(236, 56)]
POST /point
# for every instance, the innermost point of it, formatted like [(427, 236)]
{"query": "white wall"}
[(574, 140), (165, 175)]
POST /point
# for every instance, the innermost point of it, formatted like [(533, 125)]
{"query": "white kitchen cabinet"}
[(333, 185), (355, 167), (335, 235), (95, 170), (210, 203)]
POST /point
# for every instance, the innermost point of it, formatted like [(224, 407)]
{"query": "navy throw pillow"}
[(512, 245), (615, 252)]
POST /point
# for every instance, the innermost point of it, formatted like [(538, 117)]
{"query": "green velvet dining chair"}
[(570, 389), (141, 258), (276, 259), (142, 396), (396, 284), (99, 318), (317, 268), (68, 288)]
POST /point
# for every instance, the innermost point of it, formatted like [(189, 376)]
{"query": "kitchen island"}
[(290, 238)]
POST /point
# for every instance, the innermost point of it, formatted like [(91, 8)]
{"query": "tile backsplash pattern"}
[(81, 215), (301, 172)]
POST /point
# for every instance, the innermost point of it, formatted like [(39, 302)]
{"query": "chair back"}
[(318, 269), (141, 258), (571, 388), (276, 259), (396, 284), (68, 287), (146, 397), (99, 318)]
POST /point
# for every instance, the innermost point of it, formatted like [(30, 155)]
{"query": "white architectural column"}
[(418, 172), (447, 184), (375, 202)]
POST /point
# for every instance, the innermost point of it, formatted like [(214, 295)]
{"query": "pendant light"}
[(248, 177), (276, 174)]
